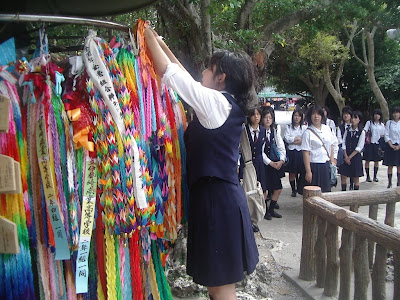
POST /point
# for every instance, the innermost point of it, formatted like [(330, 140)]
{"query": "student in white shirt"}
[(221, 247), (353, 144), (273, 165), (373, 149), (328, 121), (391, 156), (315, 155), (295, 166)]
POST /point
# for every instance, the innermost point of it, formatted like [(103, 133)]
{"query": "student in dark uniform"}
[(371, 151), (256, 134), (391, 157), (346, 124), (353, 144), (295, 167), (273, 166), (221, 247)]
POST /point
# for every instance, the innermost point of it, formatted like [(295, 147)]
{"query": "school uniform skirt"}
[(260, 170), (221, 247), (273, 178), (391, 157), (321, 176), (355, 169), (371, 152), (295, 164)]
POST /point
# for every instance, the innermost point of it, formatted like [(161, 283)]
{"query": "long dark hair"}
[(315, 109), (377, 112), (252, 112), (269, 110), (239, 72), (358, 114), (299, 111)]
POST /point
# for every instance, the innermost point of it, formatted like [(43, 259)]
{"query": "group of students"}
[(312, 142)]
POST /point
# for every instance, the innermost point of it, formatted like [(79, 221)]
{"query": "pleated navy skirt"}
[(273, 178), (295, 164), (371, 152), (355, 169), (391, 157), (321, 176), (221, 245)]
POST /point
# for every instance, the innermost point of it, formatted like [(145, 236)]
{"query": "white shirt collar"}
[(252, 129)]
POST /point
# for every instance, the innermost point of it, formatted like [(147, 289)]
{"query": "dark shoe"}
[(276, 206), (268, 216), (376, 179), (369, 179), (255, 228), (351, 187), (275, 214), (293, 194), (389, 185)]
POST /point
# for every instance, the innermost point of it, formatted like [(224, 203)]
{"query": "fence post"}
[(307, 262), (373, 214), (320, 253), (345, 264), (332, 260), (361, 268), (396, 281)]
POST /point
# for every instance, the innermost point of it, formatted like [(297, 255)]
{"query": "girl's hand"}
[(309, 177), (279, 165), (347, 160), (396, 148)]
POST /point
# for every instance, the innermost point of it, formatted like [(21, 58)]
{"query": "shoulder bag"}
[(331, 165), (252, 187), (368, 135)]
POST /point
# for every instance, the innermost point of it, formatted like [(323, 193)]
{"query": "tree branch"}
[(245, 12)]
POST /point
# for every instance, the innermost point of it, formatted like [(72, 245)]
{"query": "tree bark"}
[(206, 26), (317, 88), (245, 12)]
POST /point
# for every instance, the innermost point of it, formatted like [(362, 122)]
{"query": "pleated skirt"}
[(221, 245), (321, 176)]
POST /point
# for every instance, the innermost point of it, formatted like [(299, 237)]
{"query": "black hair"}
[(301, 114), (347, 110), (328, 111), (269, 110), (377, 112), (396, 109), (358, 114), (239, 72), (252, 112), (315, 109)]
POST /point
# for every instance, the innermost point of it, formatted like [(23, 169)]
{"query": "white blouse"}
[(291, 133), (339, 133), (280, 145), (331, 124), (211, 106), (361, 140), (392, 132), (310, 142), (377, 131)]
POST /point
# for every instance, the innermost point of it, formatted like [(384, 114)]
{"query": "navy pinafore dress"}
[(221, 246), (355, 169)]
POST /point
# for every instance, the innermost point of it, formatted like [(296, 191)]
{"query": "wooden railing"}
[(323, 261)]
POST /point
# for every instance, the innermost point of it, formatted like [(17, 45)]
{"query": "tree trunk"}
[(334, 93), (317, 88)]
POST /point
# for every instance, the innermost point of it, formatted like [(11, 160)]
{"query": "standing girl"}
[(319, 145), (295, 167), (273, 163), (353, 143), (256, 134), (371, 150), (391, 156)]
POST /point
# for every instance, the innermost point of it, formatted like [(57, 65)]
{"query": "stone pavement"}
[(279, 240)]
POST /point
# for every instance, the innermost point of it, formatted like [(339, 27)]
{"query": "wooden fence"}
[(364, 242)]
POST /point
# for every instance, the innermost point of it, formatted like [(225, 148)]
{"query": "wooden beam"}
[(363, 198), (380, 233)]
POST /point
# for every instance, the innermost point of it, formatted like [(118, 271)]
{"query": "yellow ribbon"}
[(81, 139), (74, 114)]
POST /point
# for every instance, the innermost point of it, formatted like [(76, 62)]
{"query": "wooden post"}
[(396, 281), (361, 270), (378, 274), (320, 253), (373, 214), (332, 260), (345, 264), (307, 262)]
